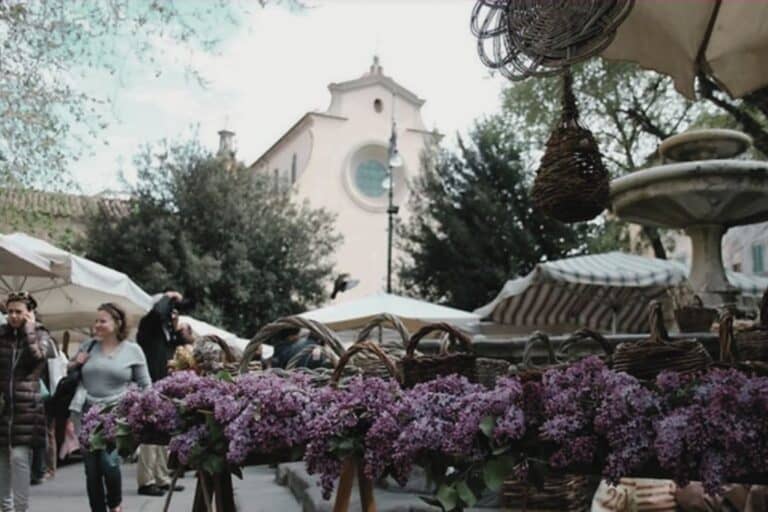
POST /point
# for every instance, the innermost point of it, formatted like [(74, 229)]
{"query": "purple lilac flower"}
[(182, 445), (148, 412)]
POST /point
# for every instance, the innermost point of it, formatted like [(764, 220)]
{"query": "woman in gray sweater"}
[(109, 365)]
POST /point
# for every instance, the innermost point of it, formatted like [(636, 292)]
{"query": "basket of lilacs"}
[(713, 428), (341, 415), (271, 425), (466, 437)]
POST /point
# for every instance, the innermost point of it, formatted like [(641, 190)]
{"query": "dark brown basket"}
[(424, 368), (753, 343), (369, 363), (565, 492), (731, 350), (569, 493), (572, 184), (212, 354), (646, 359), (695, 318)]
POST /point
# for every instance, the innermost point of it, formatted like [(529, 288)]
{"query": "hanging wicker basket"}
[(646, 359), (731, 350), (753, 343), (572, 184), (695, 318), (424, 368)]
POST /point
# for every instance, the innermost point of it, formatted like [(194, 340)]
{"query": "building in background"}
[(338, 160)]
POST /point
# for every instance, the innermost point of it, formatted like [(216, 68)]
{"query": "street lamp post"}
[(395, 161)]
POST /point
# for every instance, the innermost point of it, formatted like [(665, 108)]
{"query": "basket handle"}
[(270, 331), (455, 335), (229, 356), (381, 320), (365, 346), (581, 336), (697, 302), (659, 332), (537, 338), (570, 112), (727, 339)]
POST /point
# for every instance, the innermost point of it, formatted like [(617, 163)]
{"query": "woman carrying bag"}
[(107, 368)]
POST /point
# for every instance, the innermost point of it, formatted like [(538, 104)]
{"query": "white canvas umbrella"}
[(725, 39), (68, 288), (414, 313)]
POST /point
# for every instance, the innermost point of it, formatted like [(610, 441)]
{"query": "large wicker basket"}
[(753, 343), (731, 352), (646, 359), (424, 368), (572, 348), (559, 492), (695, 318), (572, 183), (329, 346), (371, 364)]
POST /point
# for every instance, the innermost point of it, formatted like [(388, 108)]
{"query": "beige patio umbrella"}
[(725, 39)]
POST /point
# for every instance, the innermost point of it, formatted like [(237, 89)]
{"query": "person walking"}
[(109, 364), (158, 336), (22, 418)]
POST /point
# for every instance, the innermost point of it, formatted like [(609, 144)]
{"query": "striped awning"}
[(603, 291)]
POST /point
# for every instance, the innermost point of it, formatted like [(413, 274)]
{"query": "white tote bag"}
[(57, 368)]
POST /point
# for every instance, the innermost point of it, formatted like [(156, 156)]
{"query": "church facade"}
[(339, 160)]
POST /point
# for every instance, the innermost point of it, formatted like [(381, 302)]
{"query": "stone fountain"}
[(704, 191)]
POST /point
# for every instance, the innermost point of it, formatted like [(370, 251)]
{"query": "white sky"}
[(276, 66)]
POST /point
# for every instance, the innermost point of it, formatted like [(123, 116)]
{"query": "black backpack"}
[(58, 405)]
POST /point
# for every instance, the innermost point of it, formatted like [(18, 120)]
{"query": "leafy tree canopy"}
[(207, 227), (473, 224)]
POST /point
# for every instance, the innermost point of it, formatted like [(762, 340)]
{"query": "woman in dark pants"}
[(109, 365)]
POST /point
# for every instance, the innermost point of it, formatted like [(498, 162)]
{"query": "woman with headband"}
[(22, 417), (109, 364)]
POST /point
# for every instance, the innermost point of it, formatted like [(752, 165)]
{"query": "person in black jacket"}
[(158, 335)]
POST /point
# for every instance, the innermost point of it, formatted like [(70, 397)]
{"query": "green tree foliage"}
[(210, 229), (49, 49), (473, 224)]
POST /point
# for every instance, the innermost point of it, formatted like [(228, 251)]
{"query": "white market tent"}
[(604, 291), (414, 313), (68, 288)]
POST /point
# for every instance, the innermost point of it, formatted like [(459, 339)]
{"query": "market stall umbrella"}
[(414, 313), (68, 288), (607, 292), (726, 40)]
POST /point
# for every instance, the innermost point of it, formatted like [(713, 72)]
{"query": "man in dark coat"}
[(22, 417), (159, 334)]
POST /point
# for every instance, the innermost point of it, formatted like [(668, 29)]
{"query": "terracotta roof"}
[(62, 205)]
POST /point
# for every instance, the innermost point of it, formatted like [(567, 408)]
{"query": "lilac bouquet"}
[(595, 416), (339, 422), (98, 428), (713, 426), (274, 418), (458, 431)]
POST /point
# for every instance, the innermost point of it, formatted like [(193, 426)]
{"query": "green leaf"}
[(447, 496), (496, 471), (500, 450), (487, 424), (97, 441), (465, 493), (431, 501), (225, 376)]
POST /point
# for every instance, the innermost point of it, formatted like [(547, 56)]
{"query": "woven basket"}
[(569, 493), (487, 369), (577, 340), (369, 363), (731, 351), (646, 359), (572, 183), (212, 354), (753, 343), (330, 346), (368, 347), (695, 318), (424, 368), (566, 492)]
